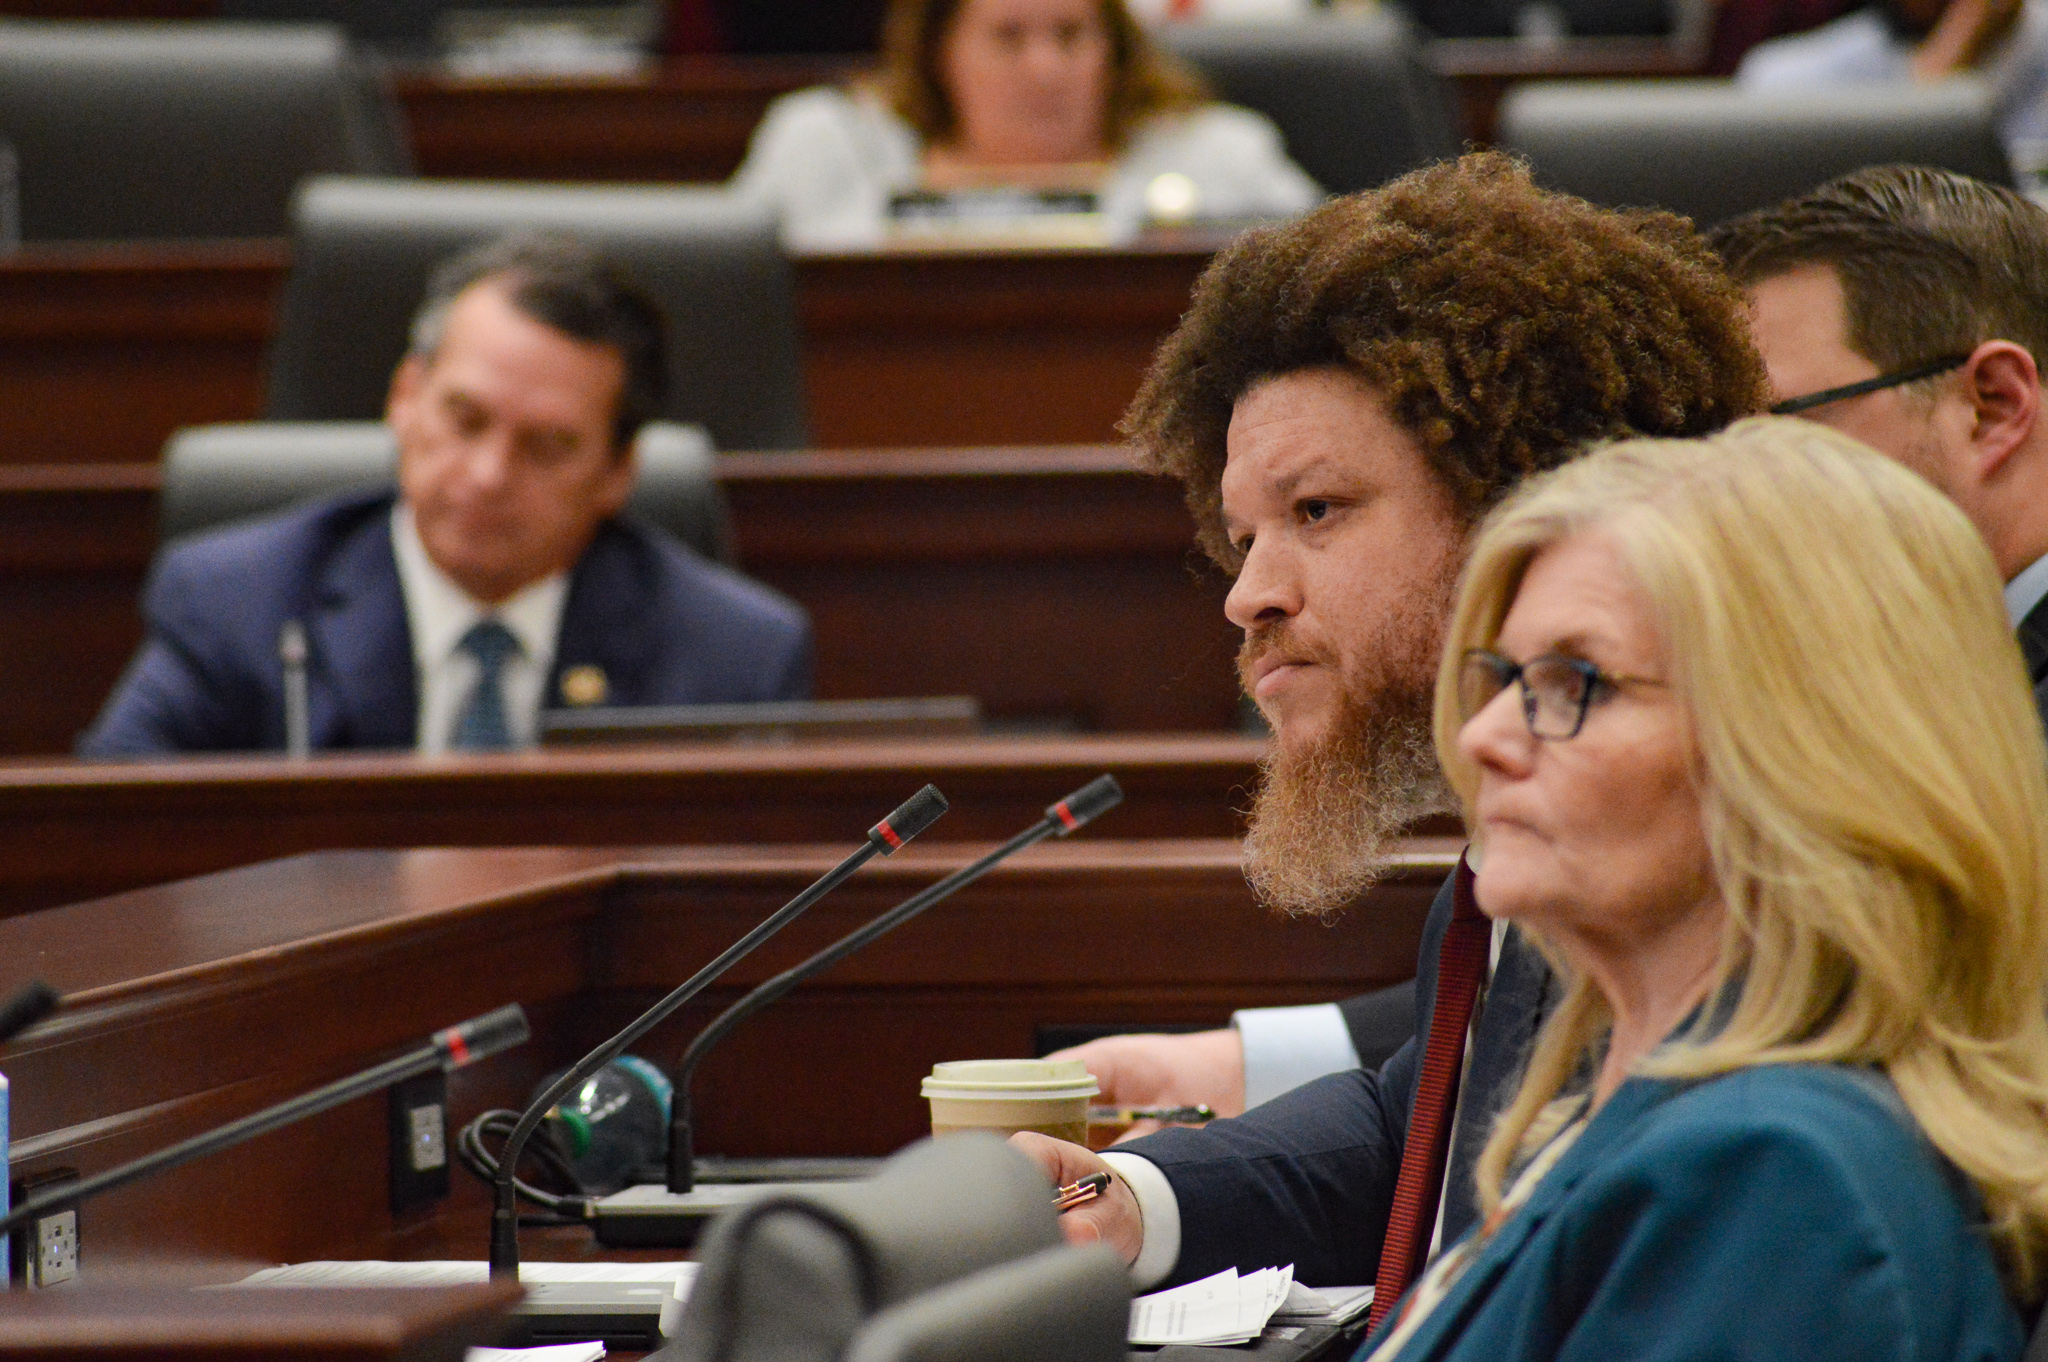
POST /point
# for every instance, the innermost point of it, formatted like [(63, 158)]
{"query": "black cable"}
[(478, 1158)]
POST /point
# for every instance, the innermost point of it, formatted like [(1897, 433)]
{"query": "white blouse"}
[(828, 161)]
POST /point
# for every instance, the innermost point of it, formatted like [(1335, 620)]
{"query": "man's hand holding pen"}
[(1111, 1217)]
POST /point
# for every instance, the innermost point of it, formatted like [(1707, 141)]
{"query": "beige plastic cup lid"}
[(1018, 1078)]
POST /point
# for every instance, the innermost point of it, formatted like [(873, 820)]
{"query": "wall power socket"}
[(45, 1252)]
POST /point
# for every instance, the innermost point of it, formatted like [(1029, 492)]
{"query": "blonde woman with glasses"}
[(1746, 746)]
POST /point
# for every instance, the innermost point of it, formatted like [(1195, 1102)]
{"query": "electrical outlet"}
[(45, 1252), (419, 1142), (56, 1250)]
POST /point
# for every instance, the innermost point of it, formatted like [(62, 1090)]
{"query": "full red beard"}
[(1327, 812)]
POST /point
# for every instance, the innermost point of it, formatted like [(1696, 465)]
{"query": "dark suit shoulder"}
[(670, 627), (272, 558)]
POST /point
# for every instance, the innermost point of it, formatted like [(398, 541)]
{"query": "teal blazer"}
[(1791, 1213)]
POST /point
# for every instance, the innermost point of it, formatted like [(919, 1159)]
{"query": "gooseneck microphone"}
[(478, 1038), (29, 1005), (1097, 797), (291, 656), (916, 814)]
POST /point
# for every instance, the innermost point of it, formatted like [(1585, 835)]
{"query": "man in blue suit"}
[(497, 580), (1346, 398)]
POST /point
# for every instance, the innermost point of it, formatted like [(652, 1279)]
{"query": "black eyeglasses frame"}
[(1510, 673), (1792, 406)]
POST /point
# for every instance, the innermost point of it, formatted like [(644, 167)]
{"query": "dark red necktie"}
[(1460, 966)]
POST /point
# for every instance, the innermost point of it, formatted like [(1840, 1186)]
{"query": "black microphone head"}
[(33, 1003), (915, 814), (1084, 805), (481, 1037)]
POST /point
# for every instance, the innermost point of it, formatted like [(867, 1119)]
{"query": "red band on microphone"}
[(458, 1049), (1065, 815), (888, 834)]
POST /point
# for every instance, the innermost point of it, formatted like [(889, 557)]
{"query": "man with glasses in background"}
[(1908, 307)]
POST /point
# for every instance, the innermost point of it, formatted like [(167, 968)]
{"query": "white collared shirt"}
[(438, 613), (2026, 591)]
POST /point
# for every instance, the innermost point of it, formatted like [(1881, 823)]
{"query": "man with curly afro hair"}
[(1346, 398)]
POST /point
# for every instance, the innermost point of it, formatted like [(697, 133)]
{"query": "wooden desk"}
[(1482, 70), (687, 119), (1059, 585), (105, 349), (71, 831), (938, 347), (196, 1002), (108, 349)]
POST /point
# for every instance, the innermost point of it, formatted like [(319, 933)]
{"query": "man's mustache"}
[(1281, 638)]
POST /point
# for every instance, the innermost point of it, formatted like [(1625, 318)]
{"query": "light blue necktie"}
[(482, 726)]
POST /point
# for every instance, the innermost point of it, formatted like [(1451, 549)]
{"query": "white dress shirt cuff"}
[(1285, 1047), (1160, 1212)]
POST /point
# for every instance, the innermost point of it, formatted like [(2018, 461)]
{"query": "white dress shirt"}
[(2026, 591), (438, 613), (827, 161)]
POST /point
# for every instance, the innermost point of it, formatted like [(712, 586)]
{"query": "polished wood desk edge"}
[(65, 478), (437, 889), (977, 461), (1139, 755)]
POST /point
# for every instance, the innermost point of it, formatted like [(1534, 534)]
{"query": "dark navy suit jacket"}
[(1308, 1177), (666, 627), (2033, 634)]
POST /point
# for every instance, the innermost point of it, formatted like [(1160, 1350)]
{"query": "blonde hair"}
[(1143, 80), (1873, 780)]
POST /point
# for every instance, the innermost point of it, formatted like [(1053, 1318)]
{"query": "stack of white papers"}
[(553, 1352), (1324, 1305), (1223, 1309), (370, 1272)]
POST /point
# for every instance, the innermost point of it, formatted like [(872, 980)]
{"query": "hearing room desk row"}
[(194, 1003), (105, 349), (1059, 587)]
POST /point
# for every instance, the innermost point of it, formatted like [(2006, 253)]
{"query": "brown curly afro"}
[(1504, 326)]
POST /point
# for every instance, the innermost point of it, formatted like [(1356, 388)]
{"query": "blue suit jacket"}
[(1777, 1213), (666, 627), (1308, 1177)]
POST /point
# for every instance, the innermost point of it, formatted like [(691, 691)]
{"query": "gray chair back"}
[(951, 1251), (1350, 94), (213, 475), (1709, 150), (362, 250), (126, 130)]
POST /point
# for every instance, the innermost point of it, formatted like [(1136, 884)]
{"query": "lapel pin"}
[(585, 685)]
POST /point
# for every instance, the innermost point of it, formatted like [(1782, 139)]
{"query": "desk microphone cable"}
[(567, 1209)]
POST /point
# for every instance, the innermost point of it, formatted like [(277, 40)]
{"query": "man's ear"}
[(406, 381), (2005, 393), (617, 488)]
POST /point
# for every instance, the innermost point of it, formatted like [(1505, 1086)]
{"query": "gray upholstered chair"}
[(145, 130), (362, 250), (216, 474), (1351, 95), (1709, 150), (950, 1254)]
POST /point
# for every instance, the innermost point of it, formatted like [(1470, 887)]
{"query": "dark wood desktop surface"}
[(72, 830), (1060, 586), (193, 1003)]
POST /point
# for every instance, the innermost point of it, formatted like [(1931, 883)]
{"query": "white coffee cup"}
[(1049, 1096)]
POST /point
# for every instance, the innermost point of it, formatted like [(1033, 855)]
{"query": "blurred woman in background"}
[(1064, 95)]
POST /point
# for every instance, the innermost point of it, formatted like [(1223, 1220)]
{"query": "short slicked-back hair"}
[(1931, 263), (565, 284), (1505, 327)]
